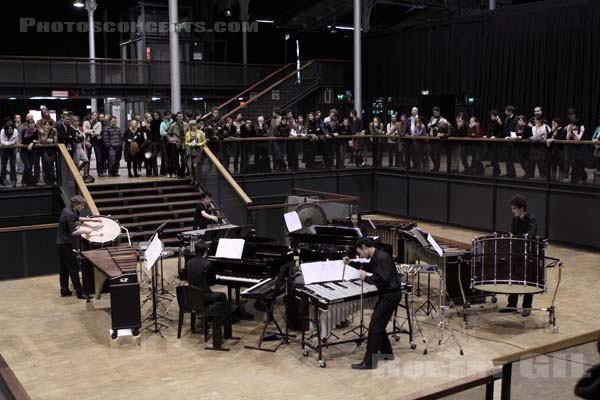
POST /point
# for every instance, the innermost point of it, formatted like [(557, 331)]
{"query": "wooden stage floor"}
[(58, 349)]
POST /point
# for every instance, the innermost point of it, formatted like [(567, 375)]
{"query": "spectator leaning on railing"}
[(47, 135), (596, 139), (9, 136), (29, 138)]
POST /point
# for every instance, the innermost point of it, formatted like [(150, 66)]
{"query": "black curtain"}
[(545, 54)]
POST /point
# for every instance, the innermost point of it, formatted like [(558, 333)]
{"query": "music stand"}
[(428, 307), (154, 326), (279, 287)]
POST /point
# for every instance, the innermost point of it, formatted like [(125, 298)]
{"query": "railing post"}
[(448, 148), (506, 381), (489, 390)]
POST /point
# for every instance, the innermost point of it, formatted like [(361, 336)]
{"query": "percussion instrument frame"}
[(551, 310), (323, 343)]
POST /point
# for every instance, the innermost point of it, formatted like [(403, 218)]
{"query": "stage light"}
[(265, 21), (78, 4), (425, 92)]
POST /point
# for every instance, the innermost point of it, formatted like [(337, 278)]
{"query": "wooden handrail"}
[(9, 379), (247, 200), (247, 90), (321, 193), (21, 146), (559, 345), (364, 137), (83, 190), (37, 227), (456, 386), (279, 82), (286, 205)]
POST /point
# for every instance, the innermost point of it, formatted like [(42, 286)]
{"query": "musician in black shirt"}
[(66, 232), (201, 274), (385, 277), (523, 223), (202, 215)]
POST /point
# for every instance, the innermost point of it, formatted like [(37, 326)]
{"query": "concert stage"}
[(57, 348)]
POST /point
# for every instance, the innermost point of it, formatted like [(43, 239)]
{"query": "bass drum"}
[(508, 264), (107, 235)]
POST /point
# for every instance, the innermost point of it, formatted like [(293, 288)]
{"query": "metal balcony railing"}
[(40, 71)]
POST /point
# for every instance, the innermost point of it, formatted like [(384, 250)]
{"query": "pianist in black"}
[(201, 274), (523, 223), (202, 216), (385, 277)]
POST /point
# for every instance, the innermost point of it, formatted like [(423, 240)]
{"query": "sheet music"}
[(328, 271), (418, 234), (230, 248), (153, 252), (351, 273), (292, 221), (435, 245)]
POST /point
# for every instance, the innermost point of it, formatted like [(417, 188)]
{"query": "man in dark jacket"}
[(523, 223), (112, 139), (65, 131), (385, 277), (510, 125)]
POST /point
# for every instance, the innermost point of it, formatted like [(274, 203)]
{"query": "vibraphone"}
[(118, 267), (330, 303)]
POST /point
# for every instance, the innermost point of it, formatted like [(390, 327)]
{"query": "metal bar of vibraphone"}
[(526, 243), (510, 261)]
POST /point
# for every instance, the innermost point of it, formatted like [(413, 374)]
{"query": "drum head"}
[(509, 289), (109, 232)]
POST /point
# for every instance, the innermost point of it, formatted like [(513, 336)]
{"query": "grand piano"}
[(329, 242), (261, 259)]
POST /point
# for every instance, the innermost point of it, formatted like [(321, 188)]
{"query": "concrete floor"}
[(58, 349)]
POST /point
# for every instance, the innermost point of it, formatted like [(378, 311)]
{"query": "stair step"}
[(133, 225), (106, 210), (161, 214), (165, 232), (99, 187), (142, 190), (158, 197)]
